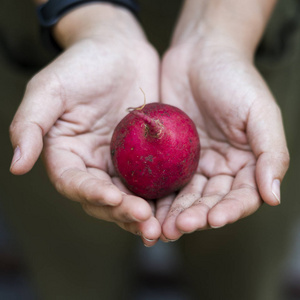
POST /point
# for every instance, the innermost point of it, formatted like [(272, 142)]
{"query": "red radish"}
[(155, 150)]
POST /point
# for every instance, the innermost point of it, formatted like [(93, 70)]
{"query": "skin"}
[(244, 155), (72, 106)]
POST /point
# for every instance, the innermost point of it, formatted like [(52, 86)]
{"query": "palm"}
[(211, 90), (96, 95), (93, 95)]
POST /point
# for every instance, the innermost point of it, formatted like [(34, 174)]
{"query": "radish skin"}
[(155, 150)]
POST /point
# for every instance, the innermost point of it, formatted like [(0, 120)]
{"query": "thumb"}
[(266, 133), (38, 111)]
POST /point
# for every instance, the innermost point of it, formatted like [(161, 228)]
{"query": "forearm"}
[(95, 20), (241, 22)]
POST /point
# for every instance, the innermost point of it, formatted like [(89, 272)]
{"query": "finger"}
[(267, 139), (149, 231), (185, 199), (163, 206), (131, 209), (71, 178), (196, 217), (118, 183), (82, 186), (240, 202), (38, 111)]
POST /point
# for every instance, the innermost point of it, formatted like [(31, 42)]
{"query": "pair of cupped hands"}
[(71, 107)]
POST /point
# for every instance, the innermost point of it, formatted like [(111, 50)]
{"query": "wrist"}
[(96, 20), (238, 24)]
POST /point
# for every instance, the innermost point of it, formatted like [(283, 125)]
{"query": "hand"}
[(72, 106), (244, 155)]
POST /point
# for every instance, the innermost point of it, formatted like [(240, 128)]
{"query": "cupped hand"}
[(244, 155), (70, 110)]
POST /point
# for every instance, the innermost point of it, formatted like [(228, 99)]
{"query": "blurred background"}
[(49, 249)]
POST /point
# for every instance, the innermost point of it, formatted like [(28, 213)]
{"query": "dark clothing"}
[(73, 256)]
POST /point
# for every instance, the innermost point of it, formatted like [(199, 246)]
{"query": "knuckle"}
[(126, 217), (128, 227), (59, 185), (31, 84), (83, 189), (88, 209), (12, 128), (59, 182), (47, 82), (36, 82), (283, 159), (286, 159)]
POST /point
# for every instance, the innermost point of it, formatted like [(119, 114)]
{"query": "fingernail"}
[(216, 227), (134, 219), (168, 240), (16, 157), (276, 189), (148, 240)]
